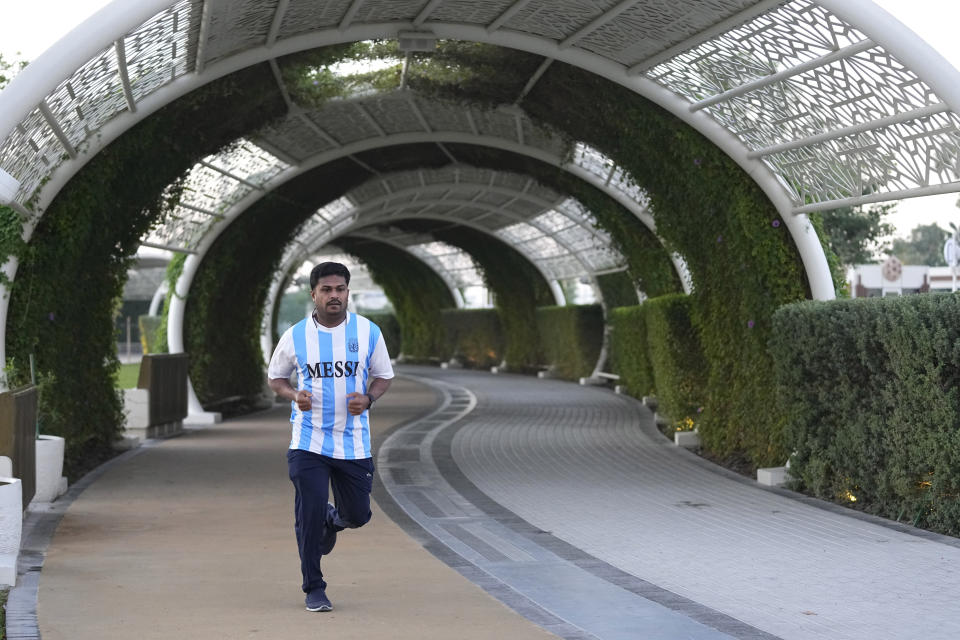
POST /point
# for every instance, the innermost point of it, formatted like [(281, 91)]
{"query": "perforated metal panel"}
[(831, 114)]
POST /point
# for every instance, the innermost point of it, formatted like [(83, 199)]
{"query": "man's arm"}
[(283, 388), (360, 402)]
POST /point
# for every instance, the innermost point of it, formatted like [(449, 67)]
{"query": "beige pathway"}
[(193, 538)]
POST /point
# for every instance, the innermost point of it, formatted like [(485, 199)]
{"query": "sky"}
[(31, 27)]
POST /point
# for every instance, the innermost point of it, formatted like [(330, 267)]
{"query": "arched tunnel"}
[(643, 148)]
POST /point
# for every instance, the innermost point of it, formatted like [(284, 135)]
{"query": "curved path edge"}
[(424, 491), (40, 522)]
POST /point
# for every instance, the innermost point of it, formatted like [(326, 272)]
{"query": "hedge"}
[(741, 258), (680, 370), (417, 293), (517, 287), (871, 391), (390, 329), (617, 289), (571, 338), (629, 351), (474, 336), (88, 235)]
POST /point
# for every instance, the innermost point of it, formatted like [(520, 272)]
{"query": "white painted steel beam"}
[(597, 22), (232, 176), (124, 74), (906, 116), (419, 114), (363, 165), (350, 14), (51, 121), (425, 12), (446, 152), (932, 190), (167, 247), (809, 65), (273, 150), (369, 118), (906, 46), (534, 79), (277, 21), (203, 37), (87, 40), (709, 33), (281, 85), (207, 212), (511, 11)]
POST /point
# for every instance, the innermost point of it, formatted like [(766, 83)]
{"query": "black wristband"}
[(370, 398)]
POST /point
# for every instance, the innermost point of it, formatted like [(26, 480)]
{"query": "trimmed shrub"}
[(474, 336), (871, 391), (417, 293), (571, 338), (518, 289), (617, 289), (679, 368), (629, 354), (390, 328)]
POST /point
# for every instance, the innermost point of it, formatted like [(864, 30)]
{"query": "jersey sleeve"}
[(380, 366), (284, 359)]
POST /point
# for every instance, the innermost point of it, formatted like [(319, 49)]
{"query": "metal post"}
[(128, 338)]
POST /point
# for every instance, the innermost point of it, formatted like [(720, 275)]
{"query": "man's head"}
[(328, 269), (328, 288)]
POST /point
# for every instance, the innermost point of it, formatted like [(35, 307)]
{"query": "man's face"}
[(330, 296)]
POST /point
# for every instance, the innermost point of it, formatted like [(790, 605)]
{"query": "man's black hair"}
[(328, 269)]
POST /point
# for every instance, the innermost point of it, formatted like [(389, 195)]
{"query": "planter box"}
[(136, 404), (11, 528), (50, 483), (686, 439), (772, 476)]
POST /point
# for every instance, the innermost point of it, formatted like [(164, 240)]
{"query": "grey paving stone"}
[(580, 462)]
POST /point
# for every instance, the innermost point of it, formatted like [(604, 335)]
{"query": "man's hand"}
[(357, 403), (303, 400)]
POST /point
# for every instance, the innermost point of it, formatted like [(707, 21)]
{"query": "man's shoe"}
[(330, 532), (317, 600)]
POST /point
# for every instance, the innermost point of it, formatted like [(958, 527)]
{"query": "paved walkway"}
[(562, 502)]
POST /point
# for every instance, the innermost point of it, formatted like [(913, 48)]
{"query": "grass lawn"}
[(128, 375)]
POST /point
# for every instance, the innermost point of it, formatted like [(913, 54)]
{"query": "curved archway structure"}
[(821, 103)]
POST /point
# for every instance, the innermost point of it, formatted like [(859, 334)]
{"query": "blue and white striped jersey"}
[(331, 363)]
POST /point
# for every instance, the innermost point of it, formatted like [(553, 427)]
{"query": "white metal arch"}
[(122, 17), (447, 192), (177, 307), (37, 85), (401, 212)]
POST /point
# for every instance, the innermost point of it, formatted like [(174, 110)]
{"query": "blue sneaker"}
[(330, 533), (317, 600)]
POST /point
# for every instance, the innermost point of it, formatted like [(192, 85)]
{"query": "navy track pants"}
[(312, 474)]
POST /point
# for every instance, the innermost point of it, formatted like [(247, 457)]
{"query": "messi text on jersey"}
[(338, 369)]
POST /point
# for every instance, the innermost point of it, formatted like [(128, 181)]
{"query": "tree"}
[(9, 69), (924, 246), (855, 234)]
